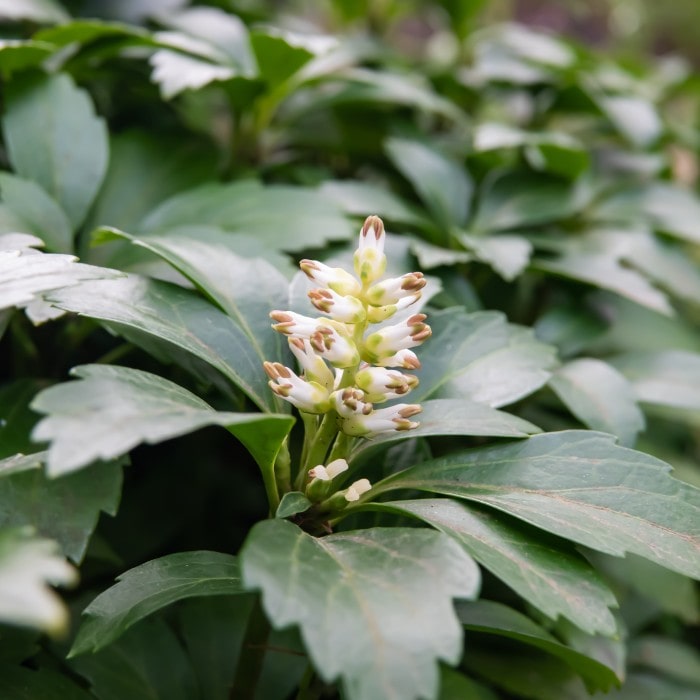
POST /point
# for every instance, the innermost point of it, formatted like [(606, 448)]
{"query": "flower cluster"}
[(364, 361), (346, 363)]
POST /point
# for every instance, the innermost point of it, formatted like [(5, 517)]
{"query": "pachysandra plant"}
[(347, 365)]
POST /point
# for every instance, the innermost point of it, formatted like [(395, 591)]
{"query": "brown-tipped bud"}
[(373, 226)]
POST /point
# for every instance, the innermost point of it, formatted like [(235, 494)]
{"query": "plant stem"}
[(252, 655), (304, 692), (283, 466), (319, 446)]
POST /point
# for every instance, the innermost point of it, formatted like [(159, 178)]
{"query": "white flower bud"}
[(388, 341), (347, 309), (309, 397), (391, 290), (369, 258), (382, 420), (333, 343), (327, 473), (350, 402), (403, 358), (334, 278), (315, 369), (380, 384), (293, 324), (356, 489), (377, 314)]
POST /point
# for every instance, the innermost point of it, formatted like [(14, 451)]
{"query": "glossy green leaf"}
[(43, 215), (29, 565), (113, 409), (16, 419), (578, 485), (442, 183), (600, 397), (455, 686), (85, 31), (648, 685), (54, 138), (292, 503), (145, 169), (517, 200), (670, 378), (152, 586), (430, 256), (387, 590), (16, 54), (65, 509), (507, 255), (667, 656), (247, 296), (147, 662), (482, 358), (547, 574), (21, 463), (25, 274), (33, 10), (498, 619), (456, 417), (20, 683), (281, 216), (175, 317)]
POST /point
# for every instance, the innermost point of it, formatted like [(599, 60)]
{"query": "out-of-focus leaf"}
[(668, 657), (516, 200), (16, 419), (508, 255), (292, 503), (173, 317), (455, 686), (281, 216), (430, 255), (496, 618), (20, 683), (43, 215), (154, 585), (55, 138), (570, 328), (34, 10), (113, 409), (578, 485), (65, 509), (442, 183), (634, 117), (670, 378), (547, 574), (600, 397), (28, 566), (482, 358), (147, 662), (647, 685), (389, 590), (16, 54)]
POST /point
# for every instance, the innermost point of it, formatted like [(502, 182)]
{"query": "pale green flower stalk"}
[(346, 366)]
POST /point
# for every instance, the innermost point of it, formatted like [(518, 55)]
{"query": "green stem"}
[(270, 482), (283, 469), (252, 655), (319, 446), (340, 447), (305, 692)]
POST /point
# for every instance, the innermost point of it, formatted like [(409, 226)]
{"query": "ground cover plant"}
[(348, 351)]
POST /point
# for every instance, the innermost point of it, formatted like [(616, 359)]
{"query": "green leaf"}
[(496, 618), (670, 378), (175, 318), (21, 463), (430, 256), (85, 31), (442, 183), (646, 685), (456, 417), (292, 503), (28, 566), (25, 274), (571, 328), (147, 663), (545, 572), (455, 686), (667, 656), (152, 586), (247, 297), (387, 590), (516, 200), (358, 198), (482, 358), (44, 217), (65, 509), (507, 255), (600, 397), (578, 485), (145, 169), (16, 54), (54, 138), (113, 409), (16, 419), (282, 217), (175, 72), (33, 10), (20, 683), (634, 117)]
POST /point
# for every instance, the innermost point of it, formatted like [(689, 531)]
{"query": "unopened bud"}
[(309, 397), (369, 258), (335, 345), (381, 420), (391, 290), (334, 278), (381, 384), (356, 490), (347, 309), (315, 369), (388, 341)]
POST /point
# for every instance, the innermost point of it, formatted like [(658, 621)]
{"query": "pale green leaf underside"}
[(149, 587), (579, 485), (550, 576), (28, 566), (374, 606), (177, 316), (112, 409)]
